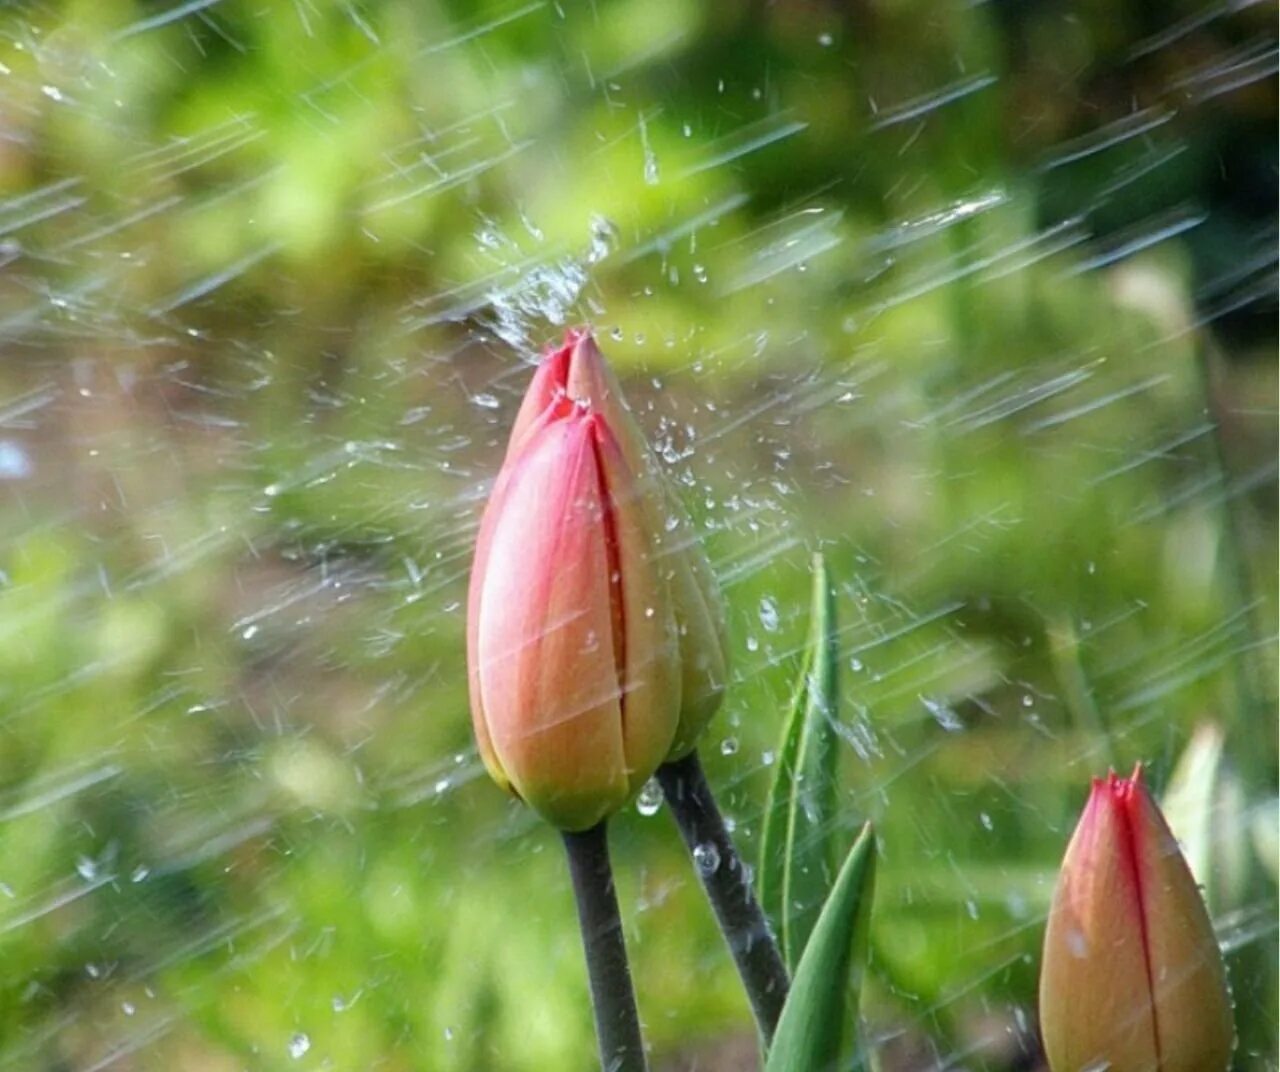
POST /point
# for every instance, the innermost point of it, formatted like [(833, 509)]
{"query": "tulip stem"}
[(728, 887), (612, 995)]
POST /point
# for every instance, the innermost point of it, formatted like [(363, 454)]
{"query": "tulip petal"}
[(484, 743), (1095, 999), (696, 602), (1132, 978), (548, 384), (590, 380), (578, 371), (1193, 1009), (479, 567), (546, 661), (651, 703)]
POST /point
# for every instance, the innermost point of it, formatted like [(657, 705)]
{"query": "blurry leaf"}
[(1188, 798), (1265, 835), (1204, 806), (796, 845), (1064, 652), (815, 1028)]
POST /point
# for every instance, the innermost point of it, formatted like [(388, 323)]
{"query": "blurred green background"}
[(979, 298)]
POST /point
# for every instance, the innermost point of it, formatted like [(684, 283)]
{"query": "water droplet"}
[(140, 873), (706, 858), (769, 615), (753, 644), (338, 1003), (985, 819), (856, 665), (486, 401), (86, 869), (14, 462), (250, 632), (766, 758), (729, 746), (128, 1008), (534, 230), (1077, 943), (604, 238), (650, 799), (651, 176), (860, 736), (943, 714), (299, 1045), (825, 40)]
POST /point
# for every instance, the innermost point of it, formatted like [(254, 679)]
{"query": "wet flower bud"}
[(578, 371), (571, 640), (1132, 979)]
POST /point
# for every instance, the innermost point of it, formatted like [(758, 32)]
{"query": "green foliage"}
[(802, 813), (258, 265), (819, 1020)]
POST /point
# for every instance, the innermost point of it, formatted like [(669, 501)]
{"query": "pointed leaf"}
[(816, 1026), (796, 859), (777, 813)]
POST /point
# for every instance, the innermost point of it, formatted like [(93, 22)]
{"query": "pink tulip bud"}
[(578, 371), (571, 639), (1132, 979)]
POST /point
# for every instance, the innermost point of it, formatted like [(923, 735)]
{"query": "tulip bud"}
[(1132, 979), (578, 371), (571, 640)]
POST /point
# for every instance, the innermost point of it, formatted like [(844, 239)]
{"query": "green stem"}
[(612, 995), (728, 888)]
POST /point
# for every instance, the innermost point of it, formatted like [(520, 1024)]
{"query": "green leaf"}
[(816, 1026), (797, 846)]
